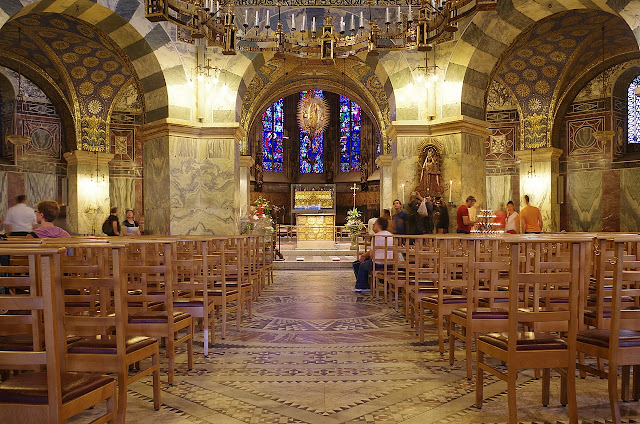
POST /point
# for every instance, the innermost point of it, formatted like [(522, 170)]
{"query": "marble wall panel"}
[(15, 187), (157, 186), (4, 190), (630, 200), (538, 187), (472, 172), (611, 200), (499, 190), (584, 191), (39, 187), (122, 194)]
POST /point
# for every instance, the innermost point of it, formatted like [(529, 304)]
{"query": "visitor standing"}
[(464, 222), (131, 227), (512, 224), (400, 218), (111, 225), (530, 218), (501, 217), (20, 218), (46, 212), (414, 224), (442, 219), (365, 264), (386, 214)]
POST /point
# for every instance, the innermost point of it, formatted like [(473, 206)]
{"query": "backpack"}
[(107, 228)]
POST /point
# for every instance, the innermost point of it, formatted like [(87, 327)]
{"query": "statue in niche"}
[(430, 173), (364, 172), (258, 176)]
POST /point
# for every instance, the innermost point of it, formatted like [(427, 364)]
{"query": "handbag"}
[(422, 209)]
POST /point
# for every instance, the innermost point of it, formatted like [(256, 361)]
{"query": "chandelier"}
[(403, 28)]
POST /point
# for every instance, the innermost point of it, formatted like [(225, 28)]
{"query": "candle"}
[(304, 23), (399, 15), (268, 23), (403, 194), (342, 24), (361, 20), (217, 9), (293, 21), (313, 24), (410, 14), (387, 16), (353, 22), (246, 16), (257, 19), (450, 188)]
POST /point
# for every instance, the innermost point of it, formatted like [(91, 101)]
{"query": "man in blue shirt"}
[(400, 218)]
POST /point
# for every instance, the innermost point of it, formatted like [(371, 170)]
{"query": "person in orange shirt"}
[(530, 218)]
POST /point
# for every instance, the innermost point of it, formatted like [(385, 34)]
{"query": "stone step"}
[(314, 262)]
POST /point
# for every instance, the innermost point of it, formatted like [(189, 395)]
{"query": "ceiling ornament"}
[(313, 114), (217, 23)]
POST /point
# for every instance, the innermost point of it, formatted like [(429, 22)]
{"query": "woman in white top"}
[(513, 220)]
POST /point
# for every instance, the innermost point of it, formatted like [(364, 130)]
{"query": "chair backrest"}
[(626, 284), (43, 301), (488, 272), (453, 263)]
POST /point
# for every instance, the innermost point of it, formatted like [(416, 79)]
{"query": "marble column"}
[(88, 191), (246, 162), (387, 190), (539, 169), (461, 144), (191, 178)]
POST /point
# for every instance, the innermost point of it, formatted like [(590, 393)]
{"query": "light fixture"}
[(16, 139), (436, 21), (604, 136)]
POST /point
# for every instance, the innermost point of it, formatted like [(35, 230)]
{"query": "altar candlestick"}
[(387, 16), (399, 15), (342, 24), (293, 21), (450, 188), (268, 23), (403, 194), (257, 22), (304, 23), (313, 24), (246, 16), (361, 19), (353, 22)]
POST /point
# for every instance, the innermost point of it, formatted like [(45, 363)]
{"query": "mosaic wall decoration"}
[(633, 112), (546, 58), (311, 146), (82, 60), (122, 144), (581, 139), (500, 144), (499, 98), (272, 137), (350, 126)]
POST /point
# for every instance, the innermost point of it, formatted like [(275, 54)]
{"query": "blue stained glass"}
[(633, 110), (311, 147), (272, 135), (350, 126)]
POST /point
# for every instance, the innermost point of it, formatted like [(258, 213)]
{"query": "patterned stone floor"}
[(315, 352)]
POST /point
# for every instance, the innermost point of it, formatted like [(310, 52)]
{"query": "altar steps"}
[(339, 258)]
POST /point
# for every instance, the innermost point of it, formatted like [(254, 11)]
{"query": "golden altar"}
[(316, 231)]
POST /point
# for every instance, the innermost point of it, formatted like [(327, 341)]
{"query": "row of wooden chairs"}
[(528, 301), (118, 297)]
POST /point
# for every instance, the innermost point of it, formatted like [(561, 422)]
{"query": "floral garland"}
[(354, 223), (259, 220)]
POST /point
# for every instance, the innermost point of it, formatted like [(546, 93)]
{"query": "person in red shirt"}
[(464, 223)]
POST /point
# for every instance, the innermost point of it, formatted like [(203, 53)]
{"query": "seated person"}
[(47, 212), (362, 267)]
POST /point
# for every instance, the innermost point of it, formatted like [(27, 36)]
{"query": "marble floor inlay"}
[(314, 352)]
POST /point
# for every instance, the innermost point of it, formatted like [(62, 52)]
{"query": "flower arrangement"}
[(354, 223), (259, 219)]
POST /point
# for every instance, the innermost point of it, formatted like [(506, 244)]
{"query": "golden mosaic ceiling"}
[(547, 57), (86, 66)]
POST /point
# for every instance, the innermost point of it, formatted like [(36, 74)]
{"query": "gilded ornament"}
[(106, 92), (545, 48), (525, 52), (313, 114), (535, 131), (512, 78), (535, 104), (558, 56), (58, 23), (60, 45), (93, 134), (86, 88), (523, 90), (530, 74), (93, 44), (90, 61), (47, 34), (30, 21), (542, 87), (82, 50), (98, 76), (110, 65), (568, 43), (538, 60), (103, 54), (580, 32), (545, 27), (73, 39), (94, 107), (85, 30), (555, 37), (550, 71), (79, 72), (117, 79), (70, 57), (518, 65)]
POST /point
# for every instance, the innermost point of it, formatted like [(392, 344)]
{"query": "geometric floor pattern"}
[(314, 352)]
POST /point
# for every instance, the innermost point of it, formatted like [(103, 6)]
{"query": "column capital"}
[(246, 162), (451, 125), (384, 160), (543, 154), (82, 157), (180, 128)]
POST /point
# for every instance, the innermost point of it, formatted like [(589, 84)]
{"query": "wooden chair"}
[(520, 349), (619, 344), (423, 279), (105, 347), (395, 272), (226, 298), (453, 273), (488, 270), (238, 274), (54, 395), (150, 283)]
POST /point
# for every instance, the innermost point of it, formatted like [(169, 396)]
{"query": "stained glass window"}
[(633, 110), (272, 134), (311, 147), (350, 126)]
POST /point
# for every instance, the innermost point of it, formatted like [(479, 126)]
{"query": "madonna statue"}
[(430, 175)]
